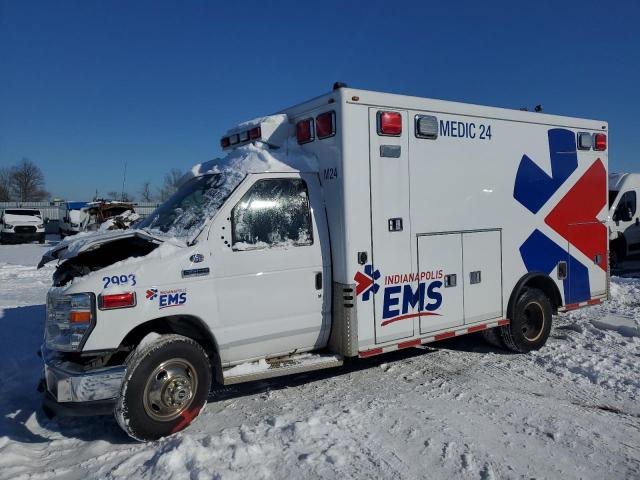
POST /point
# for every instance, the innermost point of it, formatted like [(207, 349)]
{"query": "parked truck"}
[(19, 225), (73, 218), (624, 227), (352, 225)]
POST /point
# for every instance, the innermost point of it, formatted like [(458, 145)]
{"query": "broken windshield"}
[(186, 211)]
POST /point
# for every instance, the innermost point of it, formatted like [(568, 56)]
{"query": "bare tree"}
[(145, 192), (5, 184), (170, 184), (27, 182)]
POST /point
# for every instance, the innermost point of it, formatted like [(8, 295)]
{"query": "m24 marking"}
[(330, 173)]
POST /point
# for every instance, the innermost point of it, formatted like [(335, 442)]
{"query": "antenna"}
[(124, 180)]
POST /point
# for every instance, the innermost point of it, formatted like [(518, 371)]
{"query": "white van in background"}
[(73, 218), (624, 228), (20, 225)]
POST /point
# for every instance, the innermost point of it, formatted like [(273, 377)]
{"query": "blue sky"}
[(88, 85)]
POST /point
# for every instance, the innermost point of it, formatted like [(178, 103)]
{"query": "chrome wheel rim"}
[(533, 324), (170, 390)]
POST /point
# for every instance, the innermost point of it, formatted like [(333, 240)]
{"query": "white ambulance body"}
[(624, 227), (350, 225)]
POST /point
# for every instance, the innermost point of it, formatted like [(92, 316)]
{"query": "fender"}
[(186, 325), (538, 280)]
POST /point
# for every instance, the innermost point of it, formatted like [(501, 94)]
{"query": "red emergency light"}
[(389, 123), (304, 131), (326, 124), (255, 133), (600, 142)]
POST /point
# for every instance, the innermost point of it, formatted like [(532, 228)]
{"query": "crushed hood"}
[(85, 242)]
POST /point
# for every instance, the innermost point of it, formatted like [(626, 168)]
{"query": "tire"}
[(493, 337), (165, 387), (530, 323)]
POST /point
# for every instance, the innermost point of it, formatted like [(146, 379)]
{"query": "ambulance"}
[(351, 225)]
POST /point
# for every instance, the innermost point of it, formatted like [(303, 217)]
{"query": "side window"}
[(626, 207), (273, 213)]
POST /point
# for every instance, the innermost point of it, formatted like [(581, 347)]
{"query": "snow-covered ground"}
[(458, 409)]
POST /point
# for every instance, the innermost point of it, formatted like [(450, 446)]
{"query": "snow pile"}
[(120, 222), (602, 346), (624, 325)]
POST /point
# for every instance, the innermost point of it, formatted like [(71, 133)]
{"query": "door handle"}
[(318, 280)]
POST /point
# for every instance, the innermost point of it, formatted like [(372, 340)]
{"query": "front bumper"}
[(68, 382), (54, 408), (12, 237)]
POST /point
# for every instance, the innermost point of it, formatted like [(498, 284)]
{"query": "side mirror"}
[(628, 215)]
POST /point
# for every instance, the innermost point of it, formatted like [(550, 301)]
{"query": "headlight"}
[(69, 320), (7, 226), (41, 225)]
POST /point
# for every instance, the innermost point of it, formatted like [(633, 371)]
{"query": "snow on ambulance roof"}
[(257, 157), (275, 120)]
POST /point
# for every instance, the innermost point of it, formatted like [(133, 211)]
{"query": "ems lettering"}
[(457, 129), (401, 299), (172, 299)]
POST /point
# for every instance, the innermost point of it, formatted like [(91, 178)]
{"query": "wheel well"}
[(185, 325), (542, 282)]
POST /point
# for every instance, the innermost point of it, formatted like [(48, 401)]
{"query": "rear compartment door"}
[(482, 267), (587, 264), (390, 228), (440, 257)]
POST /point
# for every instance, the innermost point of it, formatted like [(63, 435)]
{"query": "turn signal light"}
[(600, 142), (118, 300), (79, 317), (389, 123)]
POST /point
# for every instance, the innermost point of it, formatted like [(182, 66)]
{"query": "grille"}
[(25, 229)]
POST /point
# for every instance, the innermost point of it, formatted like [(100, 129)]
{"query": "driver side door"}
[(271, 268)]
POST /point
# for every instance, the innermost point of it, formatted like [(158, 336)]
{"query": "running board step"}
[(262, 369)]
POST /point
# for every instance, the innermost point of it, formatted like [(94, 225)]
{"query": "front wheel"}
[(166, 386), (530, 326)]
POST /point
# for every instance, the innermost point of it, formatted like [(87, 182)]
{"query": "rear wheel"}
[(166, 385), (531, 323)]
